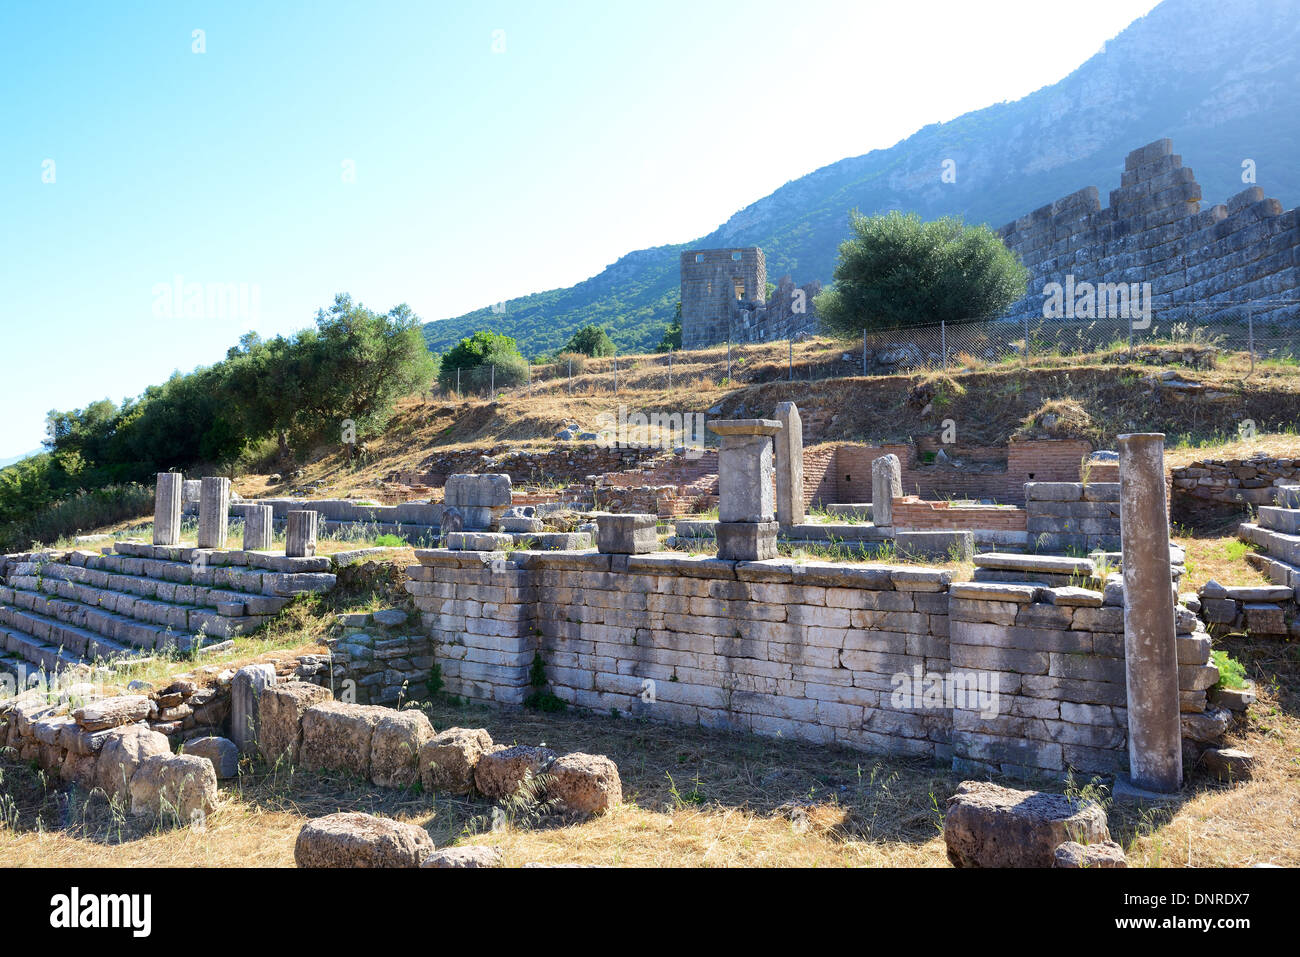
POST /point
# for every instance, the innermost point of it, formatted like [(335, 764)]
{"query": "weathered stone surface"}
[(337, 736), (1229, 764), (465, 491), (300, 534), (584, 783), (448, 759), (631, 534), (222, 752), (245, 691), (112, 712), (168, 492), (280, 710), (121, 755), (395, 748), (987, 825), (886, 485), (789, 466), (1105, 854), (470, 855), (747, 541), (500, 773), (258, 527), (745, 469), (182, 785), (1207, 727), (352, 839), (214, 512)]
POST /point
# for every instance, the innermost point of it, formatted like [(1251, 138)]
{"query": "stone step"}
[(1277, 519), (224, 558), (88, 580), (223, 620), (217, 573), (1276, 544), (125, 629), (1279, 572), (81, 643), (33, 651), (1045, 564), (162, 603)]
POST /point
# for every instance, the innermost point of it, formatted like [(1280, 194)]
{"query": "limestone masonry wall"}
[(816, 651), (1155, 231)]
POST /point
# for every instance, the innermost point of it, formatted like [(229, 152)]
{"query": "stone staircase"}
[(1277, 532), (59, 610)]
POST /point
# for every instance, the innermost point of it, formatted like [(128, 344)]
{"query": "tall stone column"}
[(167, 508), (1150, 644), (300, 537), (886, 485), (789, 466), (245, 690), (746, 531), (214, 512), (258, 521)]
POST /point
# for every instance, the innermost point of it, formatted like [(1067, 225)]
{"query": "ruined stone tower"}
[(714, 283)]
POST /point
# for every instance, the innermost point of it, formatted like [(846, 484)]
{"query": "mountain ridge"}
[(1238, 101)]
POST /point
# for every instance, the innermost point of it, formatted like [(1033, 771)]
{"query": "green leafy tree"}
[(898, 270), (591, 341), (672, 338), (483, 358)]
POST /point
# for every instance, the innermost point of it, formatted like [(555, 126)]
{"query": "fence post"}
[(864, 350), (616, 376), (1250, 334), (728, 362), (458, 395), (791, 343), (492, 381), (943, 342), (530, 378), (570, 375), (1026, 340), (670, 367)]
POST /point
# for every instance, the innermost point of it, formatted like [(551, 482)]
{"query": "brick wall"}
[(912, 513)]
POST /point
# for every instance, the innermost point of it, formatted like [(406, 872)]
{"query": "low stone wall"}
[(378, 660), (855, 654), (1071, 516), (1211, 483)]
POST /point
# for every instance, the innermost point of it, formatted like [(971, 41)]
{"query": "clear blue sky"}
[(498, 149)]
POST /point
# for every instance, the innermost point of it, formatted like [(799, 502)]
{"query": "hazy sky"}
[(443, 155)]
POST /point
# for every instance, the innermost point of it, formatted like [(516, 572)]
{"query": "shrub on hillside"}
[(79, 513), (898, 270)]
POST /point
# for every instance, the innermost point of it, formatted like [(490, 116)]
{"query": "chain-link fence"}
[(1262, 331)]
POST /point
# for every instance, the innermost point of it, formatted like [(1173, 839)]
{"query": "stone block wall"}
[(381, 658), (1231, 482), (1155, 231), (825, 652), (1071, 516)]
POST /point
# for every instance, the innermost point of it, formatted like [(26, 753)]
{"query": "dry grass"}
[(694, 798)]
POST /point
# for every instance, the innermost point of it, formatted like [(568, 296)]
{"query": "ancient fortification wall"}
[(1155, 231)]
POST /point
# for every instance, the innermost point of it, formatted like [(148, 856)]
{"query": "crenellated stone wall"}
[(1154, 230)]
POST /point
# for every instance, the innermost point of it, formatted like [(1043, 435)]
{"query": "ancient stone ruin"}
[(724, 299), (1154, 231)]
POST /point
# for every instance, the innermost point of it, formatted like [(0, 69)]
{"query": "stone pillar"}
[(789, 466), (300, 537), (258, 522), (214, 512), (746, 530), (886, 485), (245, 689), (1150, 646), (167, 508)]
